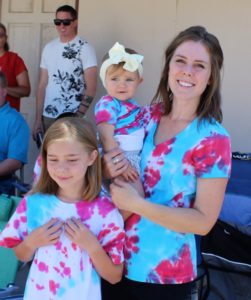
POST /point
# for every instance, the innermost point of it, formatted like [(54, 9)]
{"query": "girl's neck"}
[(69, 199), (70, 196)]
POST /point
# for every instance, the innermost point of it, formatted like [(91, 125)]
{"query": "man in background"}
[(68, 73), (14, 137)]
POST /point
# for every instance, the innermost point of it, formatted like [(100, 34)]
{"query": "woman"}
[(185, 166), (15, 71)]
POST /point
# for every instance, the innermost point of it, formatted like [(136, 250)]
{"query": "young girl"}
[(118, 117), (74, 232)]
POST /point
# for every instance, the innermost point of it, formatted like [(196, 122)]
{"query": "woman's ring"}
[(115, 160)]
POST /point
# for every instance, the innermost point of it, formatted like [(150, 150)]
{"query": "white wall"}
[(148, 26)]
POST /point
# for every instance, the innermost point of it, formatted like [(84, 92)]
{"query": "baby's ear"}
[(141, 80)]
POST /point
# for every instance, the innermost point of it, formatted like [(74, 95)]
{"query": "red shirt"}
[(12, 65)]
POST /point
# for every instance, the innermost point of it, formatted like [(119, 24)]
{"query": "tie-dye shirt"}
[(169, 173), (126, 116), (64, 271)]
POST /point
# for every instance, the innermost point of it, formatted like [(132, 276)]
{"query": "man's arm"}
[(43, 81), (16, 144), (90, 77), (9, 166)]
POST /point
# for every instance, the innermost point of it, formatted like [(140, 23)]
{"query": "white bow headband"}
[(117, 54)]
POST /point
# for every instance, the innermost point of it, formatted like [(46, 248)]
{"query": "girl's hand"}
[(124, 196), (114, 163), (79, 234), (45, 235)]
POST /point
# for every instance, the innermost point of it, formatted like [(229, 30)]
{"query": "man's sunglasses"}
[(65, 22)]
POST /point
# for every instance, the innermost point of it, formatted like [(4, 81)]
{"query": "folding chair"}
[(201, 289), (21, 187)]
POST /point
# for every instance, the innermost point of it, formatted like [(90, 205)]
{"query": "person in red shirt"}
[(15, 71)]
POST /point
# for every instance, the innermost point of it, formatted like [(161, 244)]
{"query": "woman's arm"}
[(86, 240), (23, 88), (106, 134), (198, 220), (111, 170)]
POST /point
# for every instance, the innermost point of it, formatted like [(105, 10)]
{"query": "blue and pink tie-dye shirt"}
[(126, 116), (64, 271), (169, 173)]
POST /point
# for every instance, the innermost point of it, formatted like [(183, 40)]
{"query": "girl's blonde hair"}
[(83, 132)]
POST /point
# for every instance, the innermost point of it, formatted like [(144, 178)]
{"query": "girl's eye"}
[(52, 160), (200, 66), (129, 79), (72, 160)]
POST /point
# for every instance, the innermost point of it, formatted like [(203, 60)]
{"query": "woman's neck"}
[(183, 111)]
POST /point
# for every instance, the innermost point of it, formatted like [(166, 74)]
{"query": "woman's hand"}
[(124, 196), (114, 163)]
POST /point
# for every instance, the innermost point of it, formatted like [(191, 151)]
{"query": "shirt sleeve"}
[(112, 236), (106, 111), (19, 66), (16, 229), (88, 56), (43, 63), (211, 158), (19, 140)]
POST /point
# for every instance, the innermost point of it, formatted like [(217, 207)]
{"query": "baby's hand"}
[(130, 174), (79, 234), (47, 234)]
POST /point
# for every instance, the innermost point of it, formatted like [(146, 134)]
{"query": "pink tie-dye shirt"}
[(64, 271), (169, 172)]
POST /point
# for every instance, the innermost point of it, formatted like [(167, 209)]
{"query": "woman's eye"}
[(180, 61)]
